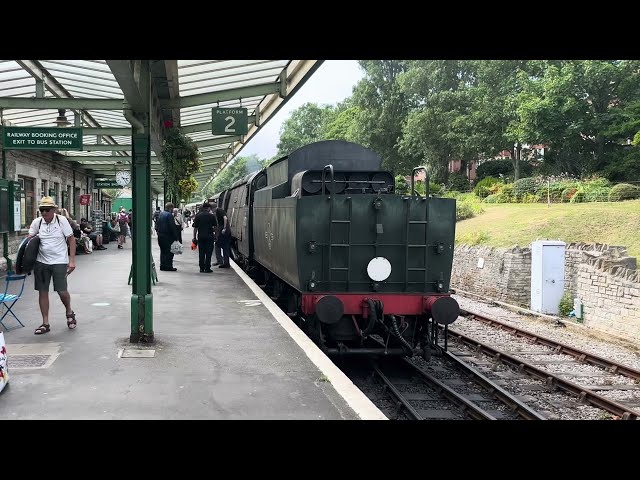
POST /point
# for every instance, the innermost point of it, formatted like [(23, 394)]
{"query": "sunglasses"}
[(45, 210)]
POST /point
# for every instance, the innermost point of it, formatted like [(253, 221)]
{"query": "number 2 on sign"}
[(228, 128)]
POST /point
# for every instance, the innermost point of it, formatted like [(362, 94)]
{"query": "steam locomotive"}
[(322, 230)]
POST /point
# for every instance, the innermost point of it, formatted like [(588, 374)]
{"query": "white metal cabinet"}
[(547, 275)]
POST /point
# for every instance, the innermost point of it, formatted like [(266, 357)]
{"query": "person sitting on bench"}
[(96, 238)]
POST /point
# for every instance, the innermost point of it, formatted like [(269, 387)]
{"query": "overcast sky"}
[(331, 83)]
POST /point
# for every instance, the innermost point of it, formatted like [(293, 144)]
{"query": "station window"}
[(56, 192), (27, 201)]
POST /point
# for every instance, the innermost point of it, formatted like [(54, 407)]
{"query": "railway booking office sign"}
[(42, 138)]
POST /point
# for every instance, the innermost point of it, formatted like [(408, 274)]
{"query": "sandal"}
[(44, 328), (71, 323)]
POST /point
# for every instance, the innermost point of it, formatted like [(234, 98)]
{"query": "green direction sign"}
[(229, 121), (107, 184), (42, 138)]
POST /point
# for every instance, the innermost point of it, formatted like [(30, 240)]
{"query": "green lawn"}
[(505, 225)]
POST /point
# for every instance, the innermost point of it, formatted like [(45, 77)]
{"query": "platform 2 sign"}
[(42, 138), (229, 121)]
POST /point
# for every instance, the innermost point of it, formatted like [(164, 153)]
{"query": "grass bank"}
[(505, 225)]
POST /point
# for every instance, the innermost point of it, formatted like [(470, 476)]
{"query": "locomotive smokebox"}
[(329, 309), (444, 310)]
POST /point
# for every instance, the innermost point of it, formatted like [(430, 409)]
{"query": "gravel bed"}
[(572, 334), (575, 336)]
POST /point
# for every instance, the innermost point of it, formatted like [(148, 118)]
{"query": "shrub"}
[(566, 304), (568, 193), (555, 189), (524, 185), (494, 168), (579, 196), (467, 205), (600, 194), (505, 189), (530, 198), (497, 198), (463, 210), (482, 188), (459, 182), (623, 191)]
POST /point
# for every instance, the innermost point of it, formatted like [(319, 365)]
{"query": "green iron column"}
[(5, 236), (141, 298)]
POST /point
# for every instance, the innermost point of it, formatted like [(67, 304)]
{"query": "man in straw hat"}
[(52, 260)]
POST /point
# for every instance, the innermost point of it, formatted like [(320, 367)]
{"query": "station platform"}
[(223, 350)]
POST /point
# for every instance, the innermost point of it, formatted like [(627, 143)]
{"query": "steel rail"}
[(580, 355), (584, 394)]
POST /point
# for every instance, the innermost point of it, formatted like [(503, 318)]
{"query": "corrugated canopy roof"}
[(182, 94)]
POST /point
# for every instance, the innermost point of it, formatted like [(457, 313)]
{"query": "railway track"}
[(559, 366), (444, 389)]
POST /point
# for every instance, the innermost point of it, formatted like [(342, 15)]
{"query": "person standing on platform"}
[(223, 239), (203, 234), (166, 228), (177, 218)]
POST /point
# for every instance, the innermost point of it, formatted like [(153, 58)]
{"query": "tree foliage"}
[(584, 110), (432, 112), (382, 110), (304, 126), (231, 174)]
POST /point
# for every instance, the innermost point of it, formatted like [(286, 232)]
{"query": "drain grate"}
[(27, 361), (137, 353)]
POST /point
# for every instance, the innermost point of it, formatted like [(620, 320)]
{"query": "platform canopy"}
[(99, 95)]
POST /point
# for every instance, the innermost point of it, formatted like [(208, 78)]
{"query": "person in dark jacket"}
[(203, 234), (223, 238), (165, 226)]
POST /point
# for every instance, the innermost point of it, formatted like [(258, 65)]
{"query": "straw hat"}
[(47, 202)]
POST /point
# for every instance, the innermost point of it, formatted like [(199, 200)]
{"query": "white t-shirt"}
[(53, 239)]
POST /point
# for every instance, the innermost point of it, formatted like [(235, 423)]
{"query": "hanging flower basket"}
[(181, 153), (180, 160)]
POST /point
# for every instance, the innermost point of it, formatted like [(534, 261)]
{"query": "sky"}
[(330, 84)]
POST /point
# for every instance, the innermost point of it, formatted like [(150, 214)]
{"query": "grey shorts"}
[(42, 274)]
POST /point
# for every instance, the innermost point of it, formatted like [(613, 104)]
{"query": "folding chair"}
[(8, 300)]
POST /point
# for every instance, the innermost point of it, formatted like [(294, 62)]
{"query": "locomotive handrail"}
[(330, 167), (426, 178)]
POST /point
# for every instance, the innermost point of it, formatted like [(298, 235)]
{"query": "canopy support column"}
[(141, 298)]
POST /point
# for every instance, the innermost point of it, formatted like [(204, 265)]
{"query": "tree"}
[(463, 109), (304, 126), (341, 122), (578, 108), (231, 174), (381, 112), (436, 130)]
